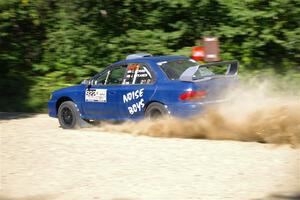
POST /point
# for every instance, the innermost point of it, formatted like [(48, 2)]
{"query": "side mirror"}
[(86, 82)]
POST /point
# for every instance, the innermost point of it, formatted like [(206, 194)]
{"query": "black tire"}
[(156, 110), (69, 116)]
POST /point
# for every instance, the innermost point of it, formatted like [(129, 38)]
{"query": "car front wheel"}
[(68, 115)]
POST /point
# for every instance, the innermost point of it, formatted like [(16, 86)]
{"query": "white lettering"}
[(141, 92), (139, 107), (136, 94), (133, 95), (142, 103), (129, 96), (125, 99), (130, 110), (136, 107)]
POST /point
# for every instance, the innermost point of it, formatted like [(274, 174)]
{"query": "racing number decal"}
[(96, 95)]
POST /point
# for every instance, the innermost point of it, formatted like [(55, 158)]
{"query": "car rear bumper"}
[(189, 109)]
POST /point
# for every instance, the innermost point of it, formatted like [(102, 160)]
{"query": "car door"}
[(138, 89), (102, 97)]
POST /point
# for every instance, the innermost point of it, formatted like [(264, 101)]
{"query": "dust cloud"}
[(252, 114)]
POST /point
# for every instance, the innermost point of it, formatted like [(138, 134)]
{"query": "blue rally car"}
[(143, 86)]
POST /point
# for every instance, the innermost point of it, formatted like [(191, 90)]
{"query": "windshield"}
[(174, 69)]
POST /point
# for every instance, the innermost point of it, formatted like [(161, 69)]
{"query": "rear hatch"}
[(217, 79), (212, 79), (217, 89)]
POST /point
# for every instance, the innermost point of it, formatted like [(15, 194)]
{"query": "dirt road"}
[(41, 161)]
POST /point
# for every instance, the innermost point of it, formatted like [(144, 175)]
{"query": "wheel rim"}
[(67, 116), (155, 114)]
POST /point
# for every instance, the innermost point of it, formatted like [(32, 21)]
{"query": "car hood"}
[(73, 88)]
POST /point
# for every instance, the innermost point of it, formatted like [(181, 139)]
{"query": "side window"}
[(112, 77), (137, 74), (101, 79), (116, 75)]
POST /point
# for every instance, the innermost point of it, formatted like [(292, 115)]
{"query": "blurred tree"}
[(20, 35), (47, 44), (262, 33)]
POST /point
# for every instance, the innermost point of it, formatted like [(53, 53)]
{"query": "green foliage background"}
[(49, 44)]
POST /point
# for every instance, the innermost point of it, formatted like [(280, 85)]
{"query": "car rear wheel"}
[(156, 110), (69, 116)]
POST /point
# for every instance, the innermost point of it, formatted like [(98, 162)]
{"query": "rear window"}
[(174, 69)]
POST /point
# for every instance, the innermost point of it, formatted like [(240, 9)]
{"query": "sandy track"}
[(41, 161)]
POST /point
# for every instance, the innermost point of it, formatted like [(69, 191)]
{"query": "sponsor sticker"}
[(96, 95)]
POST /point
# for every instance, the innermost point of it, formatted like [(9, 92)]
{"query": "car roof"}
[(152, 58)]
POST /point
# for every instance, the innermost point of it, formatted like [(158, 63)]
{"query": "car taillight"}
[(193, 95)]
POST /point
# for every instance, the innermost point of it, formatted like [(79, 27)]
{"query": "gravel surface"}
[(39, 161)]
